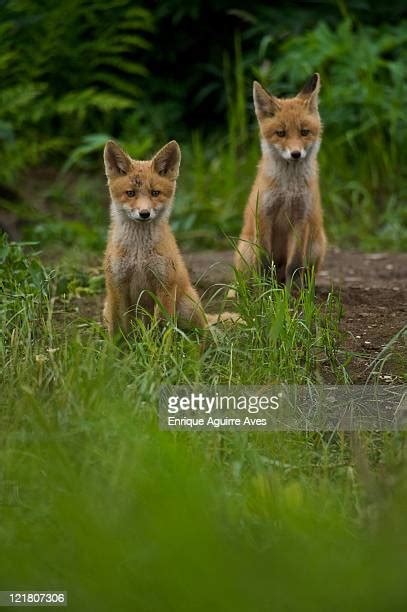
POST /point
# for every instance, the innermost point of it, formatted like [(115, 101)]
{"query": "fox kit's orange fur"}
[(283, 222), (142, 259)]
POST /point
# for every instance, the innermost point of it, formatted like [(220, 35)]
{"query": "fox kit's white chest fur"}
[(134, 260), (289, 196)]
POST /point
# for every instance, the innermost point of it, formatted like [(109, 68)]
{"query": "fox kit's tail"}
[(223, 317)]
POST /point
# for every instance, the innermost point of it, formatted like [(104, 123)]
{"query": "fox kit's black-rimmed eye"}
[(131, 193), (155, 193), (305, 132), (280, 133)]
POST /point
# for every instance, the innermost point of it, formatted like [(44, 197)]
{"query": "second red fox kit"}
[(143, 266), (283, 223)]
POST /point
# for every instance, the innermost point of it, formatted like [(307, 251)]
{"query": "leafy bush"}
[(66, 69)]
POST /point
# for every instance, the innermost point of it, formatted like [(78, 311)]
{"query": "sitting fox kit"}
[(144, 270), (283, 224)]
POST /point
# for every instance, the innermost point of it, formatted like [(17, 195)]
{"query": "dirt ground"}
[(373, 291)]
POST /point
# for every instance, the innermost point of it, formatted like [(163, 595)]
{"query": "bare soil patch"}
[(373, 291)]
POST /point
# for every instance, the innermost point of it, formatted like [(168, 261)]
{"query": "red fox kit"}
[(142, 259), (283, 217)]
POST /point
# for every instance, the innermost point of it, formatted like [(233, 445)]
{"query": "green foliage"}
[(79, 213), (24, 296), (93, 143), (66, 69)]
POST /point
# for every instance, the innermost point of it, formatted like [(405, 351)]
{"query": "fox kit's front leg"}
[(246, 256), (316, 247), (297, 247), (190, 311), (116, 311), (307, 246), (110, 315), (254, 244), (181, 301), (165, 304)]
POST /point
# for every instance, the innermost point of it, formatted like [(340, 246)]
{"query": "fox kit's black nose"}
[(295, 154), (144, 214)]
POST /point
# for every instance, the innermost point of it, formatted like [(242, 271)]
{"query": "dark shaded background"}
[(192, 38)]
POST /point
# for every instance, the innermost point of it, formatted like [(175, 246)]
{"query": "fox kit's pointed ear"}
[(166, 162), (309, 93), (117, 162), (265, 104)]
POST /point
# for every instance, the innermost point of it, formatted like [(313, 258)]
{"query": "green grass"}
[(95, 500)]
